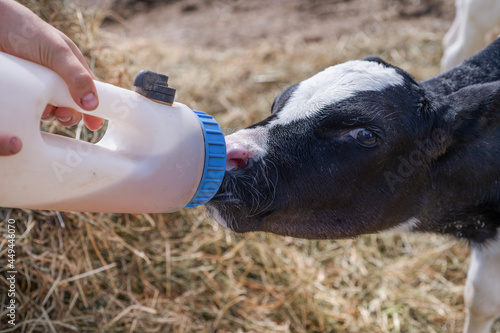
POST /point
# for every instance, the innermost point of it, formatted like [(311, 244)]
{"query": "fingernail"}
[(64, 120), (90, 101), (15, 145)]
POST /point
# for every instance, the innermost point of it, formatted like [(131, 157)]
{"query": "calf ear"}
[(472, 112), (375, 59)]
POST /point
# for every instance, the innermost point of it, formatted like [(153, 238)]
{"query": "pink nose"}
[(237, 158)]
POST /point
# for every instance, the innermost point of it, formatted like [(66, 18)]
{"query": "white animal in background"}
[(473, 20)]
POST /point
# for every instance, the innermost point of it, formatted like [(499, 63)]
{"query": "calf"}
[(361, 147), (473, 20)]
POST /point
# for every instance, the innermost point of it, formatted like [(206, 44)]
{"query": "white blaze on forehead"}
[(335, 84), (332, 85)]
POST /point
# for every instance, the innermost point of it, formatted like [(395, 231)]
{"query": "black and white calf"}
[(361, 147)]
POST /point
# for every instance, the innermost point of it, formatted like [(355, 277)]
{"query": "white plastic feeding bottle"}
[(152, 158)]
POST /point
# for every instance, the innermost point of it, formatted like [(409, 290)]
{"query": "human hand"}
[(25, 35)]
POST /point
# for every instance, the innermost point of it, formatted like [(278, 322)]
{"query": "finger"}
[(67, 116), (48, 113), (9, 144), (93, 123)]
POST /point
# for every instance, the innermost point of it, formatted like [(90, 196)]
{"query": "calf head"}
[(346, 152)]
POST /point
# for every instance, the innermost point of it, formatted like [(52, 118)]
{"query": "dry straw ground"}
[(181, 272)]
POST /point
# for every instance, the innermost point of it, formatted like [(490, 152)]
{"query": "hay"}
[(181, 272)]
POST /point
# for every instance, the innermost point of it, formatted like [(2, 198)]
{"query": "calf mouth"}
[(245, 198)]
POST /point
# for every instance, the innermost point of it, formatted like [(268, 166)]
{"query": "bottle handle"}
[(115, 103)]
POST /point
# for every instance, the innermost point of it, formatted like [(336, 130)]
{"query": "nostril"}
[(237, 158), (236, 163)]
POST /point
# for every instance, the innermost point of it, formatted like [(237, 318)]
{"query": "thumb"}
[(73, 69), (25, 35), (9, 144)]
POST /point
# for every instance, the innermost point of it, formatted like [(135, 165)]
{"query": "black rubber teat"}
[(154, 86)]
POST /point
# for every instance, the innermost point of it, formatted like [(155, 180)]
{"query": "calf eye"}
[(364, 137)]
